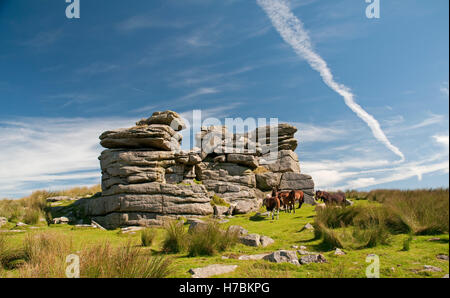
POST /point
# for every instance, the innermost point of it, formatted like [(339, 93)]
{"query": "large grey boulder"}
[(296, 181), (243, 159), (238, 229), (243, 207), (169, 118), (220, 210), (156, 136), (312, 258), (197, 224), (251, 240), (266, 241), (267, 181), (283, 256), (285, 161), (211, 270)]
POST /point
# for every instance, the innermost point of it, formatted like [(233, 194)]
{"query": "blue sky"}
[(64, 81)]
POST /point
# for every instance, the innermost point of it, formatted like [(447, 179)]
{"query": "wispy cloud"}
[(149, 21), (47, 151), (97, 68), (43, 39), (292, 31)]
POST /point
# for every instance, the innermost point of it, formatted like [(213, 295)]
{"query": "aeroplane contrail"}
[(292, 31)]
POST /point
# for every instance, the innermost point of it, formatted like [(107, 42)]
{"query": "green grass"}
[(395, 261), (216, 200)]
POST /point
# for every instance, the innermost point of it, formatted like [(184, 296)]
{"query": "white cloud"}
[(45, 150), (313, 133), (442, 139), (292, 31)]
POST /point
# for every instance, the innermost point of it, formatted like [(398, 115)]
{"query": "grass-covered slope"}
[(404, 255)]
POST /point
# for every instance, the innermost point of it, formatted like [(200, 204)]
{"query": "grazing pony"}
[(296, 195), (283, 196), (331, 198), (272, 204)]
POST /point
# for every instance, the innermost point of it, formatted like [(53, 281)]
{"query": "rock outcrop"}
[(147, 178)]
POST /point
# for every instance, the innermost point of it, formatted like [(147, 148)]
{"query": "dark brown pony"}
[(296, 195), (331, 198), (283, 196), (272, 204)]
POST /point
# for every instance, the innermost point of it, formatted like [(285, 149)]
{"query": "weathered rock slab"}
[(211, 270)]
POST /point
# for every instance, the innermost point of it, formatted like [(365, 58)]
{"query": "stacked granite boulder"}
[(147, 178)]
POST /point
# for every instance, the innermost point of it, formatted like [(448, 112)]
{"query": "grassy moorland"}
[(395, 225)]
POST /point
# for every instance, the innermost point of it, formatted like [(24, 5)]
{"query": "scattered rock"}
[(294, 246), (339, 252), (442, 257), (283, 256), (84, 226), (223, 221), (319, 258), (309, 227), (3, 221), (220, 210), (303, 247), (12, 231), (430, 268), (303, 252), (253, 257), (239, 230), (434, 239), (196, 223), (445, 276), (21, 224), (211, 270), (60, 220), (265, 241), (130, 230), (251, 240)]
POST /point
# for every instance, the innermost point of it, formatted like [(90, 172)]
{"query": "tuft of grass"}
[(209, 239), (407, 243), (176, 239), (428, 215), (126, 261), (218, 201), (45, 255), (148, 236), (260, 170)]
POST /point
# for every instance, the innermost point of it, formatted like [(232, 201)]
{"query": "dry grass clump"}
[(210, 239), (128, 261), (176, 237), (421, 212), (148, 236), (44, 256)]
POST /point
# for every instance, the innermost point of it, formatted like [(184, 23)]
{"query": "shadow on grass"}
[(258, 217)]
